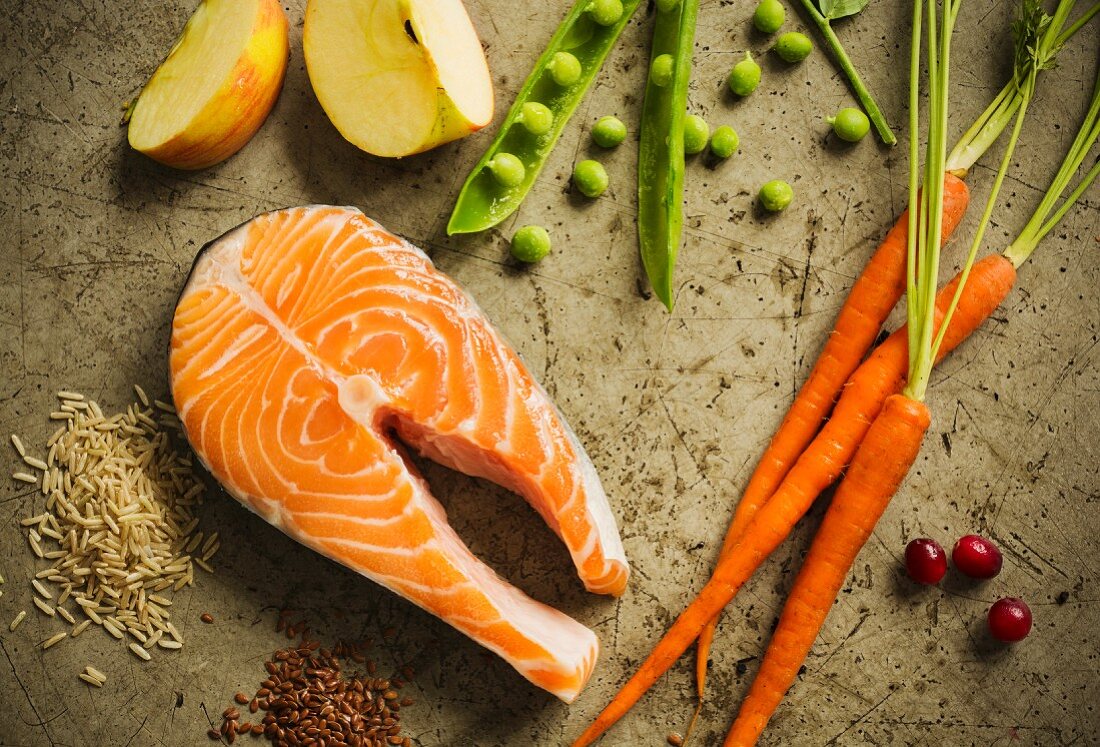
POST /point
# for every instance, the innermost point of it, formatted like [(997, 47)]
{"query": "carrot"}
[(878, 468), (881, 375), (875, 293), (860, 501), (1038, 40)]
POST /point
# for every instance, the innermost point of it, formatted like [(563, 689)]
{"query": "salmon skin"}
[(309, 346)]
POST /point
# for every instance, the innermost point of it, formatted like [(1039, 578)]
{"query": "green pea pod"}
[(484, 201), (661, 150)]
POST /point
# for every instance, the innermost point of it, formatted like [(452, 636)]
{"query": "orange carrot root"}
[(878, 468), (875, 293)]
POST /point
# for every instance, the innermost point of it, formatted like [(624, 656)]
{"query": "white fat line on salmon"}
[(404, 513)]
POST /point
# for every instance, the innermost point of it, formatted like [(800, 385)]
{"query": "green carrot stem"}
[(927, 254), (1073, 29), (985, 131), (1038, 226), (916, 206), (866, 100)]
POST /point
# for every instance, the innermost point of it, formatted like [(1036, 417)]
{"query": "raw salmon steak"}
[(309, 346)]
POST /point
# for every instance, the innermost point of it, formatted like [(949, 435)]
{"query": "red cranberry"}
[(925, 561), (1009, 620), (977, 557)]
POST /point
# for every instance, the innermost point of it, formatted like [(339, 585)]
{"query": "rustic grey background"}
[(674, 409)]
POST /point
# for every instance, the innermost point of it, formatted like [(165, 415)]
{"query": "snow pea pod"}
[(484, 201), (661, 149)]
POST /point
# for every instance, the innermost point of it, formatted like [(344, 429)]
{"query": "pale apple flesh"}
[(216, 87), (397, 77)]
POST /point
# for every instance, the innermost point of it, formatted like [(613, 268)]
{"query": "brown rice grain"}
[(41, 589), (24, 477), (53, 639), (90, 680), (17, 621), (80, 628), (109, 626), (43, 606), (141, 395), (140, 652), (35, 462), (65, 615)]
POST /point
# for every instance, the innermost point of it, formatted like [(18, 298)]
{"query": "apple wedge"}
[(397, 77), (216, 87)]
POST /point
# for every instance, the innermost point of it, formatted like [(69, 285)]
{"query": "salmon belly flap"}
[(303, 342)]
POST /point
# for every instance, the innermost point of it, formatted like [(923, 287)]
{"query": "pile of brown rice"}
[(118, 523)]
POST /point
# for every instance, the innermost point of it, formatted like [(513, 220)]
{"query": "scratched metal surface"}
[(673, 408)]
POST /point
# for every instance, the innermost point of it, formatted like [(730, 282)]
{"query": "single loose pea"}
[(608, 132), (696, 134), (769, 16), (507, 169), (776, 195), (536, 118), (724, 142), (745, 76), (850, 124), (606, 12), (564, 68), (664, 6), (590, 178), (660, 72), (793, 47), (531, 243)]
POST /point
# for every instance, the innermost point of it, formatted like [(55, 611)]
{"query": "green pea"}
[(745, 76), (590, 178), (536, 118), (608, 132), (564, 68), (661, 70), (850, 124), (507, 169), (793, 46), (724, 142), (696, 134), (606, 12), (776, 195), (664, 6), (769, 16), (531, 243)]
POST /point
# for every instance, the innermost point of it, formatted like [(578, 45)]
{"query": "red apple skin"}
[(236, 112)]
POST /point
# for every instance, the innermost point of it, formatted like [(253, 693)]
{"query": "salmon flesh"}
[(309, 347)]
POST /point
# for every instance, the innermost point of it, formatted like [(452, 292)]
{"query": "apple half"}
[(216, 87), (397, 77)]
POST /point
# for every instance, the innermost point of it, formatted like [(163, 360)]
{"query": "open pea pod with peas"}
[(501, 179), (661, 147)]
